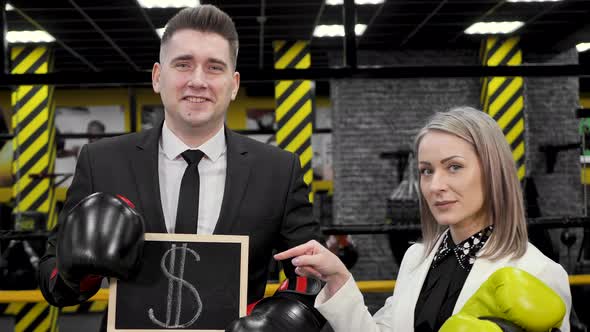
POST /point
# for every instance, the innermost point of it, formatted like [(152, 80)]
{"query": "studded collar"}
[(466, 251)]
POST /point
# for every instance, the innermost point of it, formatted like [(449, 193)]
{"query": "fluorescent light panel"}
[(582, 47), (168, 3), (493, 27), (534, 0), (337, 30), (357, 2), (36, 36)]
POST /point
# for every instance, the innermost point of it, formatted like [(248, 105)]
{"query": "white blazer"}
[(346, 310)]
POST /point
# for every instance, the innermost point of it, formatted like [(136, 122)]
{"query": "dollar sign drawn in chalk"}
[(174, 300)]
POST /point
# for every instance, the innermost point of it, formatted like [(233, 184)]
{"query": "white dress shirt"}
[(212, 169)]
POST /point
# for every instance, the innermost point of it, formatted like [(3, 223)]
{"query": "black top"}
[(449, 270)]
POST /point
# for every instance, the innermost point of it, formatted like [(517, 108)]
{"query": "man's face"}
[(196, 80), (94, 130)]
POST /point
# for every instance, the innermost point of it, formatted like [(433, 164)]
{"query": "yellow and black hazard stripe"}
[(294, 104), (34, 134), (32, 317), (34, 154), (291, 54), (52, 151), (86, 307), (503, 97), (41, 317)]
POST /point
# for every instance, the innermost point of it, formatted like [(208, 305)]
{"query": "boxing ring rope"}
[(368, 286), (543, 222)]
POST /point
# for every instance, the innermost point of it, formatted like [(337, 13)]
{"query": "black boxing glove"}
[(102, 236), (290, 309)]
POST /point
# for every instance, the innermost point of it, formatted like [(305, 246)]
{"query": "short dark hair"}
[(97, 124), (205, 18)]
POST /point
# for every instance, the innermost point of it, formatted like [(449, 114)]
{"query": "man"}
[(95, 127), (246, 187)]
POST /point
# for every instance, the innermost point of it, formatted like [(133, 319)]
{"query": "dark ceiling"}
[(114, 35)]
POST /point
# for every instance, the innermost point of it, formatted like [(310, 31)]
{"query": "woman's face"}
[(451, 181)]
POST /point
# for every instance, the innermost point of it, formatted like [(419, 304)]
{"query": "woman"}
[(473, 223)]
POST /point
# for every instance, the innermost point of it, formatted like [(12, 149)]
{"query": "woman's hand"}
[(312, 259)]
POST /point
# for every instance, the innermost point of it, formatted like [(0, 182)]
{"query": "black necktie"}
[(188, 199)]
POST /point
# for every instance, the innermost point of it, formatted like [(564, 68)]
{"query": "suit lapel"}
[(236, 181), (145, 167)]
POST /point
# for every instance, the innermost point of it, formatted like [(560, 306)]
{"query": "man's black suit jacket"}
[(265, 197)]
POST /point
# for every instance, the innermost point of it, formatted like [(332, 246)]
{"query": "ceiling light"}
[(337, 30), (160, 31), (534, 0), (168, 3), (8, 7), (581, 47), (356, 2), (36, 36), (359, 29), (493, 27)]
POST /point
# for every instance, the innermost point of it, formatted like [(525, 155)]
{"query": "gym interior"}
[(357, 80)]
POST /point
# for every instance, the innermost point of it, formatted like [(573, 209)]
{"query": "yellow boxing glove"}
[(467, 323), (513, 295)]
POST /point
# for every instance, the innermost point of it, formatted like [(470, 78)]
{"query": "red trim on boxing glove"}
[(250, 307), (342, 240), (90, 282), (301, 286), (284, 285), (86, 284), (126, 200)]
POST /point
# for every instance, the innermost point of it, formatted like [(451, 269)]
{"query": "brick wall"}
[(550, 105)]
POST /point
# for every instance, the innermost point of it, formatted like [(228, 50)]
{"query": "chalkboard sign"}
[(186, 282)]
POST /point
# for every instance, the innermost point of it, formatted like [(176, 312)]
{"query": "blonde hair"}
[(503, 202)]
